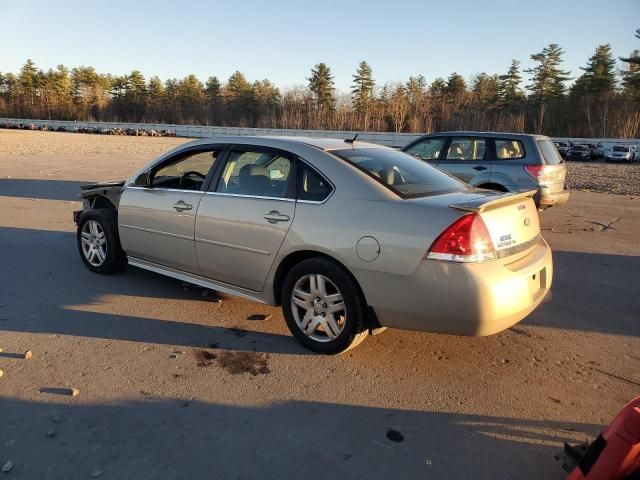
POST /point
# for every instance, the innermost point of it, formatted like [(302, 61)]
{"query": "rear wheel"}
[(98, 241), (323, 306)]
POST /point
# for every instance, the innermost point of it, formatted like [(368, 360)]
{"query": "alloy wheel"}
[(94, 243), (318, 308)]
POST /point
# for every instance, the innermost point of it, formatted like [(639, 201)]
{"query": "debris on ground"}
[(601, 227), (259, 316), (6, 468), (56, 419), (205, 358), (394, 436), (28, 355), (51, 433), (1, 373), (244, 362), (96, 473)]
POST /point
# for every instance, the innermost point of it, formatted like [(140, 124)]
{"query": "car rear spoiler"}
[(485, 202)]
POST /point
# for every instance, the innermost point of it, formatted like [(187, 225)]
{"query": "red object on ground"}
[(615, 454)]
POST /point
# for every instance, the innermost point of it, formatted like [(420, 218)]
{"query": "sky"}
[(283, 40)]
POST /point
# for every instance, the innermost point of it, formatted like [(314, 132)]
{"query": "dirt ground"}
[(175, 384)]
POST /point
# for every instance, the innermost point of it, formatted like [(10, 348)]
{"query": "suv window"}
[(427, 149), (256, 173), (311, 186), (188, 172), (466, 149), (403, 174), (509, 149)]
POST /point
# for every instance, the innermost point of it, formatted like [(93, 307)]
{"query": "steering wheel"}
[(191, 172)]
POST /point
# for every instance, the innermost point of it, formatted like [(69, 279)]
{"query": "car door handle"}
[(479, 168), (275, 216), (181, 206)]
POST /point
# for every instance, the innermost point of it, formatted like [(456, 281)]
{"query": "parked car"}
[(621, 153), (562, 148), (348, 236), (504, 162), (579, 152)]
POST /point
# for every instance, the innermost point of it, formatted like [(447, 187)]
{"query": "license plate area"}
[(537, 283)]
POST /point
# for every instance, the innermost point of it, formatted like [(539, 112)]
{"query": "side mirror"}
[(144, 180)]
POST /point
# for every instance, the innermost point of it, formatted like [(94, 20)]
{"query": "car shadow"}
[(47, 289), (180, 438), (41, 189), (592, 292)]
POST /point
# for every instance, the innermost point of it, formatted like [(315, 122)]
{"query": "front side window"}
[(403, 174), (427, 149), (466, 149), (509, 149), (188, 172), (255, 173), (311, 185)]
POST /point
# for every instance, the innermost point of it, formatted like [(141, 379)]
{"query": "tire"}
[(99, 243), (332, 327)]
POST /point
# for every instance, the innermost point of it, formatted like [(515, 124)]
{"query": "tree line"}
[(601, 102)]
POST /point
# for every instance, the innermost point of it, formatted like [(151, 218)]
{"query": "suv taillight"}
[(465, 240), (546, 174)]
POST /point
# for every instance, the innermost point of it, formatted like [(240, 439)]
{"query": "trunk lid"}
[(511, 218)]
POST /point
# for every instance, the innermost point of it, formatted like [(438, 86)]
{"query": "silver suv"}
[(498, 161)]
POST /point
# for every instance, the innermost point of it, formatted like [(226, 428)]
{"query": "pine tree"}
[(362, 89), (213, 88), (548, 80), (510, 92), (456, 88), (321, 86), (599, 76)]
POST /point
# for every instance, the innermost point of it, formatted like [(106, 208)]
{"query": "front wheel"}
[(99, 243), (323, 306)]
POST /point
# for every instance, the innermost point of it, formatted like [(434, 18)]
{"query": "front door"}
[(466, 159), (245, 216), (156, 221)]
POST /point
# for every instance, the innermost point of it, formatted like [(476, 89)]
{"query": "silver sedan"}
[(349, 237)]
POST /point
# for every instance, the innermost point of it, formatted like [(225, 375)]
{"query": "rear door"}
[(466, 157), (156, 221), (244, 217)]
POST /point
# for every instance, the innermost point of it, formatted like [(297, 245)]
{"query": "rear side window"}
[(255, 173), (403, 174), (509, 149), (466, 149), (312, 187), (549, 152)]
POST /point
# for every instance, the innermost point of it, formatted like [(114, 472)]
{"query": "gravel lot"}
[(621, 179), (175, 384)]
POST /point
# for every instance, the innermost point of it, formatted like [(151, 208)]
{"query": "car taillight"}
[(465, 240)]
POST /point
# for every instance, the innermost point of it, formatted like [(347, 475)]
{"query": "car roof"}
[(325, 144), (473, 133)]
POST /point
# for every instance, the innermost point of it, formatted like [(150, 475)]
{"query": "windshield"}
[(401, 173), (620, 149), (549, 152), (579, 147)]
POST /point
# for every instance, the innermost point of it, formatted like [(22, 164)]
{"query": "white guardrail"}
[(389, 139)]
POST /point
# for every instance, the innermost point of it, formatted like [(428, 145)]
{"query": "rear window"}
[(401, 173), (549, 152), (620, 149)]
